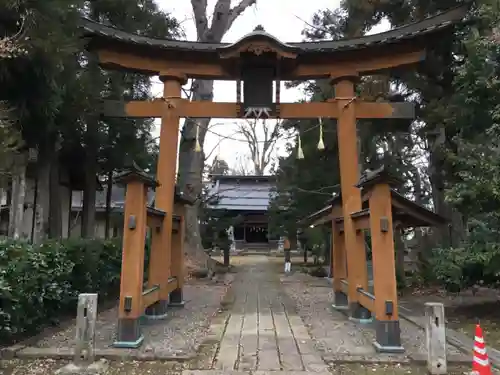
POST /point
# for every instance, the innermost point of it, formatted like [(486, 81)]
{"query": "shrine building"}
[(247, 199)]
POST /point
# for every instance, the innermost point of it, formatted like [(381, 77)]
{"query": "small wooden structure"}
[(165, 278), (382, 210), (258, 62)]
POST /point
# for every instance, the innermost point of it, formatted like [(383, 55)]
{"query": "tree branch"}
[(236, 11), (200, 17), (218, 143), (219, 24)]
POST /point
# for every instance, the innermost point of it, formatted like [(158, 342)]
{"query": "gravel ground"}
[(314, 297), (48, 367), (180, 334)]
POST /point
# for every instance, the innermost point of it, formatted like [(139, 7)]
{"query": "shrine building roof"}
[(104, 36)]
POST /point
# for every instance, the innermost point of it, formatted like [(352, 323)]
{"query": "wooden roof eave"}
[(409, 213), (105, 37), (429, 25)]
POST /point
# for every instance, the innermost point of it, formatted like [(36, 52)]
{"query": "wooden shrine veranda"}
[(256, 62)]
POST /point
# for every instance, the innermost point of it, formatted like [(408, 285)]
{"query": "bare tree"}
[(191, 163), (241, 167), (261, 148)]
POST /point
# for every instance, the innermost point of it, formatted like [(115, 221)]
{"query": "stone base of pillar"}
[(359, 314), (388, 336), (340, 301), (157, 310), (129, 333), (176, 298)]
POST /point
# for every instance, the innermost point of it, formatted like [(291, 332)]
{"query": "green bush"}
[(460, 268), (475, 262), (39, 284)]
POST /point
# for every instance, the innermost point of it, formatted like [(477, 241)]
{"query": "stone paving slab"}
[(264, 332)]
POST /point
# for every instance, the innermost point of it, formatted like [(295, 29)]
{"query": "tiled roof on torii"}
[(106, 35)]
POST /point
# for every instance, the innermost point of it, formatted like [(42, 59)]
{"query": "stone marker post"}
[(85, 328), (84, 354), (435, 335)]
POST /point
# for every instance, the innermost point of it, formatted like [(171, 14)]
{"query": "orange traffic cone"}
[(480, 362)]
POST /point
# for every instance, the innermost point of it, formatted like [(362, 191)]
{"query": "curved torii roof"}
[(412, 36)]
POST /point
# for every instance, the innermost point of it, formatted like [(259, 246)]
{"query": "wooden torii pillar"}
[(385, 306), (349, 246), (161, 262)]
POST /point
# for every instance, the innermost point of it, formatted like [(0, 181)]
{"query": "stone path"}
[(264, 332)]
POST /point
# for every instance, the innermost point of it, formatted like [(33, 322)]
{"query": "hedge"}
[(40, 284)]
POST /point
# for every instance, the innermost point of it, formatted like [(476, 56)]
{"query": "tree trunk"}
[(91, 150), (43, 209), (16, 213), (190, 175), (454, 233), (191, 163), (418, 251), (109, 191), (89, 194), (55, 210)]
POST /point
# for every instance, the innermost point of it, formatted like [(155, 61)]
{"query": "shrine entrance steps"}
[(263, 332)]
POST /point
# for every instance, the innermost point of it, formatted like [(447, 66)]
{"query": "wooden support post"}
[(338, 257), (351, 195), (388, 334), (435, 338), (160, 260), (176, 296), (134, 233)]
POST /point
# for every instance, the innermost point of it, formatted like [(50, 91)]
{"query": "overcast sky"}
[(285, 19)]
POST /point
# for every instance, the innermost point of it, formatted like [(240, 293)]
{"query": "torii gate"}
[(258, 60)]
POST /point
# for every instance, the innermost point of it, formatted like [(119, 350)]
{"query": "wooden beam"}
[(358, 63), (374, 110), (344, 285), (149, 297), (130, 61), (201, 109), (365, 300), (156, 293), (154, 222), (361, 219)]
